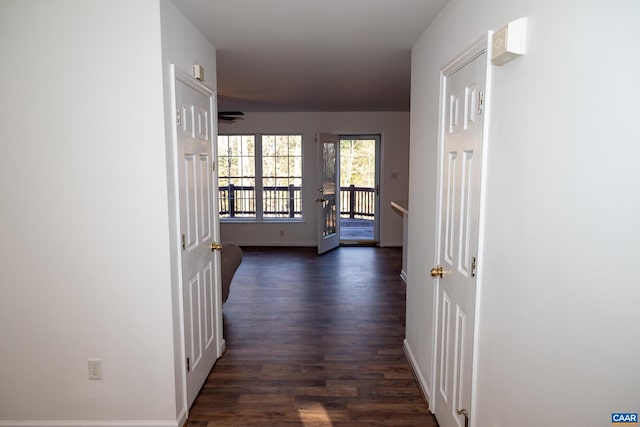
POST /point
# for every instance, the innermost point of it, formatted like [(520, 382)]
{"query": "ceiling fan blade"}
[(230, 116)]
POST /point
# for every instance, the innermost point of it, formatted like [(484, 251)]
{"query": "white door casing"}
[(460, 170), (328, 194), (378, 184), (377, 140), (199, 229)]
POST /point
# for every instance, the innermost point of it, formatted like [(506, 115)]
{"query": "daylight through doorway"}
[(359, 189)]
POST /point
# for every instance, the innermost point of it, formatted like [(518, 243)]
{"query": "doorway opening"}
[(359, 189)]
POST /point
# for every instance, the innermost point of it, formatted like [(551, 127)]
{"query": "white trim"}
[(302, 244), (174, 208), (468, 55), (258, 177), (422, 382), (222, 348), (378, 181), (379, 218), (278, 244), (194, 84), (436, 255), (481, 223), (137, 423), (481, 46), (182, 417), (391, 244), (176, 74)]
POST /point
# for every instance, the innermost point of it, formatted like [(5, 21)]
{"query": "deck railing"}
[(286, 201), (357, 202), (278, 201)]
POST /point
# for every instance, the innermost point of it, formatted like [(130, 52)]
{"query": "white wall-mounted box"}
[(509, 42), (198, 72)]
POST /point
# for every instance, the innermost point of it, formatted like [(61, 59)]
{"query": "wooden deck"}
[(356, 230)]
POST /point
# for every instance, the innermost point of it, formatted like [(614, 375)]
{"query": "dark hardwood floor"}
[(314, 341)]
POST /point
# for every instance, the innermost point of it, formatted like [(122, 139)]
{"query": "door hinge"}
[(178, 117), (184, 242), (213, 166), (188, 365), (377, 189), (480, 102), (473, 266)]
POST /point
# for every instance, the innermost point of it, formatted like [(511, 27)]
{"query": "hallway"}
[(314, 340)]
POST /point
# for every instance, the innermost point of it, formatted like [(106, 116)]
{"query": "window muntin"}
[(282, 176), (260, 176)]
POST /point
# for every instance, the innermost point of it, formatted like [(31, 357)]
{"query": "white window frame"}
[(259, 199)]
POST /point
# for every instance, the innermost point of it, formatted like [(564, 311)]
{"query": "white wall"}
[(183, 46), (394, 128), (84, 243), (558, 323)]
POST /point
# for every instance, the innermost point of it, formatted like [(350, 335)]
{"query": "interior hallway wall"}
[(84, 242), (558, 315), (182, 46)]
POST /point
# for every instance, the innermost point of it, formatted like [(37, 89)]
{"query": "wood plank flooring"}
[(314, 341)]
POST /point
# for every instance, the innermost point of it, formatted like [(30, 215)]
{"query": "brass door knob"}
[(216, 246), (437, 272)]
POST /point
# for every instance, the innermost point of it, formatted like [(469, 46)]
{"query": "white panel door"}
[(199, 229), (458, 246), (328, 198)]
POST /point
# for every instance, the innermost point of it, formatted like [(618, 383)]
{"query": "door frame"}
[(173, 184), (479, 47), (378, 185)]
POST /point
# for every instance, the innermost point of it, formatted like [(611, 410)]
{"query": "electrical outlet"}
[(95, 369)]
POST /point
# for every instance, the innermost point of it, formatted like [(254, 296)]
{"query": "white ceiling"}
[(312, 55)]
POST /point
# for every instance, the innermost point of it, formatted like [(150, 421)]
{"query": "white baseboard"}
[(422, 382), (267, 244), (302, 244), (155, 423), (182, 417)]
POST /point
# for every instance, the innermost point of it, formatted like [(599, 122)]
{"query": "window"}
[(260, 176), (237, 176)]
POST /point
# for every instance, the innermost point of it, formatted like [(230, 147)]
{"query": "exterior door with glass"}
[(328, 194)]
